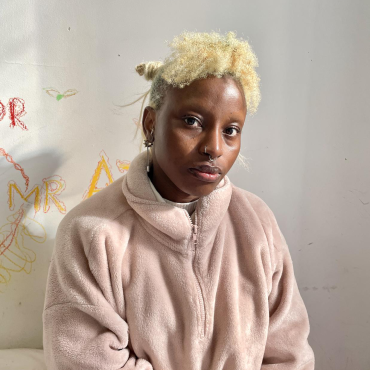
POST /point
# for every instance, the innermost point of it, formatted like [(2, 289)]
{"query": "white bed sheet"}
[(22, 359)]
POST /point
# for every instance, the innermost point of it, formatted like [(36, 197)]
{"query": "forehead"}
[(210, 92)]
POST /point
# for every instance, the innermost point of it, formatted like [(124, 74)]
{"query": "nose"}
[(212, 144)]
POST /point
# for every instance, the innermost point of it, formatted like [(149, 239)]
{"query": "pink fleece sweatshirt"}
[(135, 284)]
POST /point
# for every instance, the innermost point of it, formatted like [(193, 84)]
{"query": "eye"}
[(233, 131), (192, 120)]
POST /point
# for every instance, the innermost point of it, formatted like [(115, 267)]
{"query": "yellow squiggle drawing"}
[(14, 255), (123, 166), (13, 187), (51, 192), (52, 187), (103, 164)]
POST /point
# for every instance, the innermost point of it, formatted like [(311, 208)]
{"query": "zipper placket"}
[(200, 294)]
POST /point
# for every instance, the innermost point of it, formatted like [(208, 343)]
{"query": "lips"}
[(208, 169), (206, 173)]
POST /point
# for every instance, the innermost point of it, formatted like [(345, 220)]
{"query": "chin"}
[(201, 189)]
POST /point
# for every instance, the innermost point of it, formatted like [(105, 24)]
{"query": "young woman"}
[(172, 267)]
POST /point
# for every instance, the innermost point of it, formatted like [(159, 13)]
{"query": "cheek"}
[(232, 146), (178, 143), (232, 153), (170, 151)]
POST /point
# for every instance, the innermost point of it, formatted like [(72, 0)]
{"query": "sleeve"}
[(82, 327), (287, 345)]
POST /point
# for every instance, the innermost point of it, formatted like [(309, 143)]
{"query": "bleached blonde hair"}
[(200, 55)]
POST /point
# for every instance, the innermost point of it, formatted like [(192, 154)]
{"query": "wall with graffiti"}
[(15, 257), (67, 67), (30, 203), (61, 142)]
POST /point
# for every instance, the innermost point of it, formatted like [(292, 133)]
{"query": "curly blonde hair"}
[(200, 55)]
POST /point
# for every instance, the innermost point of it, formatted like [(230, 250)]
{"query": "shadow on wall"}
[(19, 227), (25, 199)]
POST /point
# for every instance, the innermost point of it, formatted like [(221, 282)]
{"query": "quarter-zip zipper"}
[(200, 294)]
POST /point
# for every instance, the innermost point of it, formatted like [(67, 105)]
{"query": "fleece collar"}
[(169, 224)]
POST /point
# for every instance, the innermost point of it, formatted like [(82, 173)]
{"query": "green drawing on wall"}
[(58, 95)]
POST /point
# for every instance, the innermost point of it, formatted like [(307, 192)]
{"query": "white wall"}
[(309, 142)]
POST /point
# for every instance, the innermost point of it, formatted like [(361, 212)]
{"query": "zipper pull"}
[(195, 233)]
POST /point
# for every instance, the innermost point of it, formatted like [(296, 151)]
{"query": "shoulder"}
[(245, 201), (96, 212), (257, 213)]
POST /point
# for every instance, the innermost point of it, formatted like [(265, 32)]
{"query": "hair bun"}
[(148, 69)]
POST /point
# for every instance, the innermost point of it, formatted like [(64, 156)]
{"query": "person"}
[(172, 267)]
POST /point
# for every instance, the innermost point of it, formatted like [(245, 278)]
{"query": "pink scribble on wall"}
[(9, 158), (16, 110), (8, 240), (15, 252), (2, 111)]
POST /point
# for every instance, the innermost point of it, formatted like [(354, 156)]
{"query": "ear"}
[(148, 121)]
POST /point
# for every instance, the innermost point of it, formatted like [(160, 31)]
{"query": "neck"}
[(171, 193)]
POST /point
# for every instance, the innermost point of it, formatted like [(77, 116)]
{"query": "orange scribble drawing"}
[(14, 255), (9, 158), (52, 186), (123, 166), (103, 165)]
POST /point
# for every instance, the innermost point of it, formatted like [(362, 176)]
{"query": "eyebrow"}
[(196, 107)]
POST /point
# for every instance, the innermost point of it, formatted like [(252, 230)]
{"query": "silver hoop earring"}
[(148, 144)]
